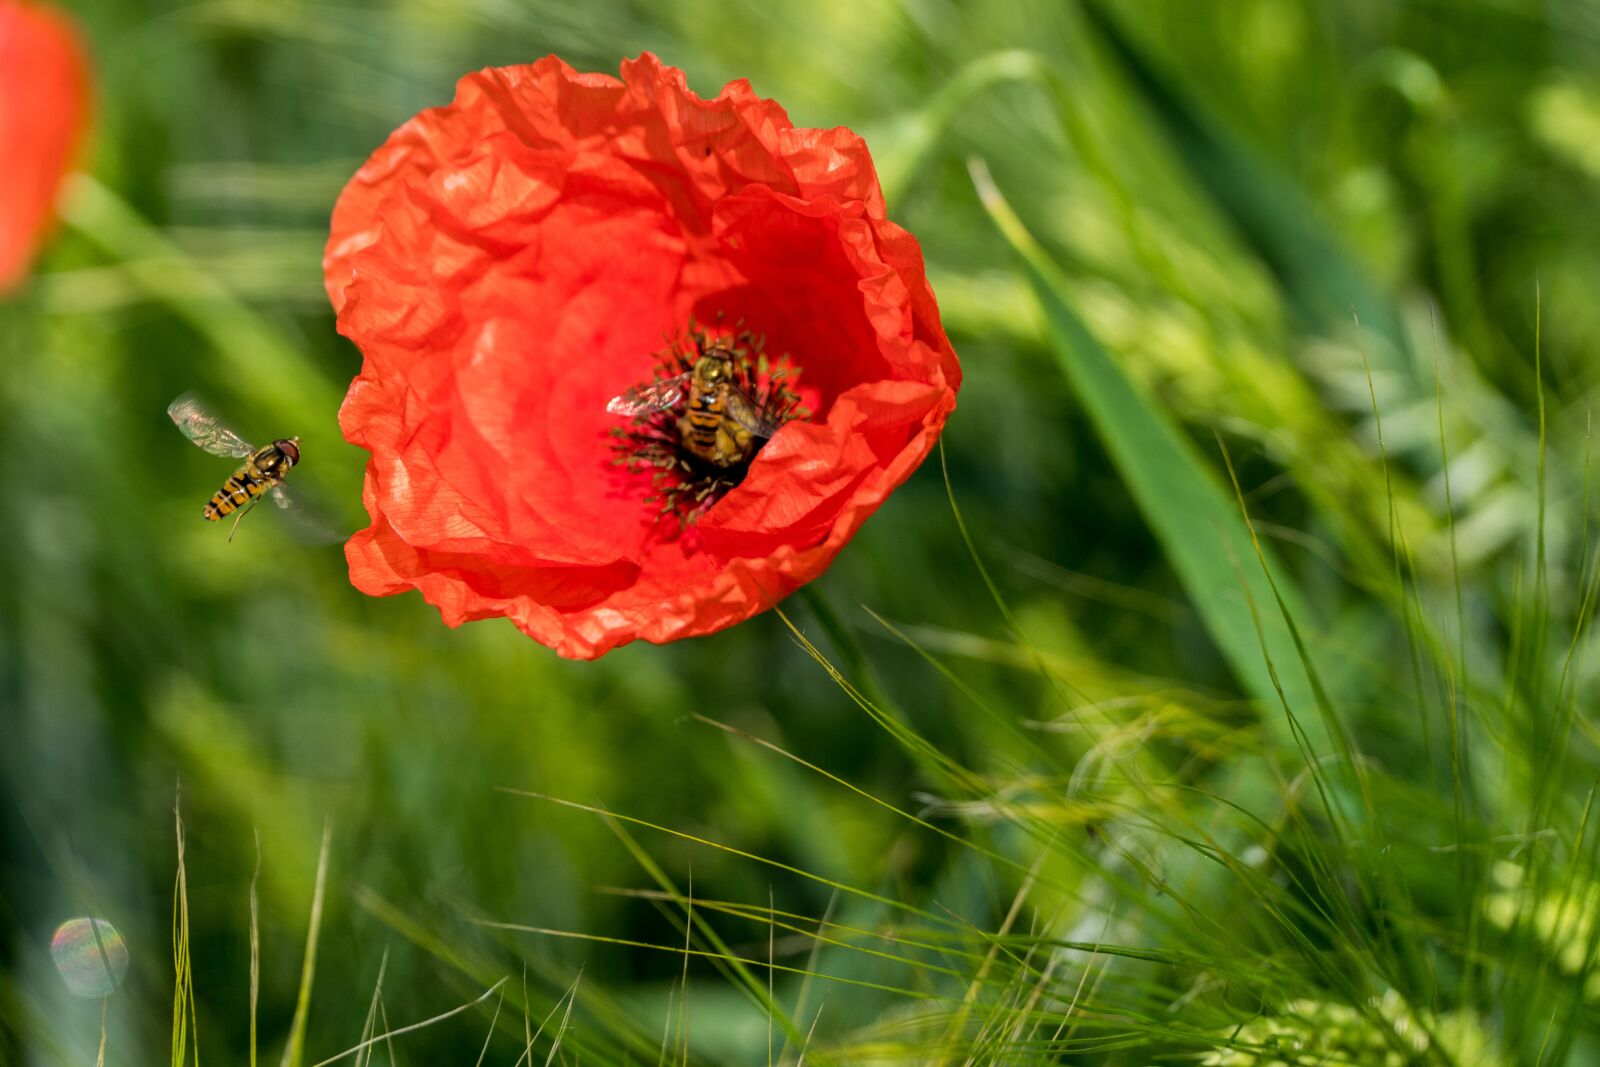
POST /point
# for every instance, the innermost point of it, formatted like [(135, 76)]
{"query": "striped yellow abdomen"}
[(240, 488), (705, 417)]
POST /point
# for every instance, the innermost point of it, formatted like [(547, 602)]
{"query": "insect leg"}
[(240, 517)]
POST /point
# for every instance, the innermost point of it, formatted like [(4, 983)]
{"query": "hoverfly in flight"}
[(262, 472)]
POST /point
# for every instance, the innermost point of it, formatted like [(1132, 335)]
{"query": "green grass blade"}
[(1271, 213), (264, 362), (388, 1035), (902, 146), (294, 1050), (1281, 223), (1200, 530), (184, 1012), (255, 948)]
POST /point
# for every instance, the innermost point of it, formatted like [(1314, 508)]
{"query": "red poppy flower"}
[(43, 104), (511, 262)]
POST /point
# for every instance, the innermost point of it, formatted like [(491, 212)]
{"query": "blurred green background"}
[(1217, 192)]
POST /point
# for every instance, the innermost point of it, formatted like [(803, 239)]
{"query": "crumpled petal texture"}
[(44, 104), (508, 263)]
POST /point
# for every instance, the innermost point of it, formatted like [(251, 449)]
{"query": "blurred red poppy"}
[(44, 101), (511, 262)]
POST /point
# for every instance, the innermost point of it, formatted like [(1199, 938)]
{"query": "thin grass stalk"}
[(184, 1027), (489, 1037), (389, 1035), (294, 1049), (255, 946)]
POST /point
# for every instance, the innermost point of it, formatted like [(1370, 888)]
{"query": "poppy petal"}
[(44, 103), (511, 261)]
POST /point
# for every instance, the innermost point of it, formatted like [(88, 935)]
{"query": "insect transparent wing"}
[(197, 423), (306, 525), (657, 396), (747, 413)]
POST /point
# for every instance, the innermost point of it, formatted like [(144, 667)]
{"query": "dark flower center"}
[(715, 400)]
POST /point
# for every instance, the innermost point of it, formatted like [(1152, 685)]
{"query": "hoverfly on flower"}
[(696, 429)]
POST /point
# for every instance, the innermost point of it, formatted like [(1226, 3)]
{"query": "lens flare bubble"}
[(91, 956)]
